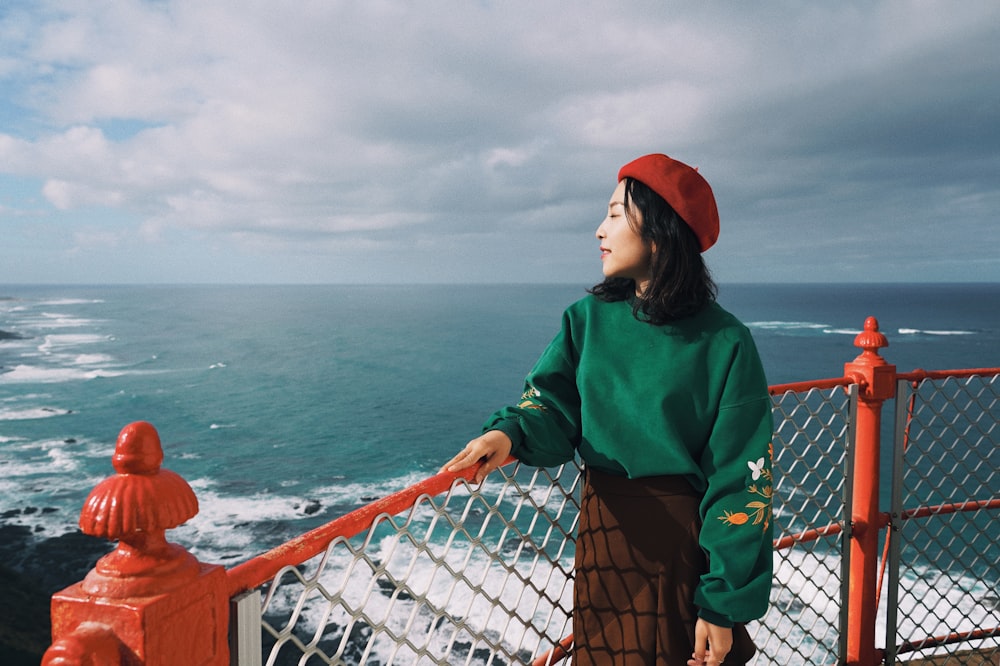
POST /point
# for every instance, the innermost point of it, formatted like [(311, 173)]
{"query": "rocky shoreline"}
[(33, 570)]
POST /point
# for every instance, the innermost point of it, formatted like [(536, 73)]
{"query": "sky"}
[(322, 141)]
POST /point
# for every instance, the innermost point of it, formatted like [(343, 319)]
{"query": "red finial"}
[(138, 450), (869, 370), (137, 507), (870, 339), (148, 601)]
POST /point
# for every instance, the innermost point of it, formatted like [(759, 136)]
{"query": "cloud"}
[(498, 127)]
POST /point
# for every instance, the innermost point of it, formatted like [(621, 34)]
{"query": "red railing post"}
[(876, 381), (148, 602)]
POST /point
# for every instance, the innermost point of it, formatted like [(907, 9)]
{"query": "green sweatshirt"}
[(686, 398)]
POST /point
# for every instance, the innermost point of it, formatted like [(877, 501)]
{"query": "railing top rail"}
[(913, 376), (801, 387), (918, 375)]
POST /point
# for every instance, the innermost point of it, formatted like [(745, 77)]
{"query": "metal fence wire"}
[(483, 575), (944, 577), (479, 575), (811, 442)]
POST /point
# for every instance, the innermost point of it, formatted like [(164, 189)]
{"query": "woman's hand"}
[(493, 446), (711, 644)]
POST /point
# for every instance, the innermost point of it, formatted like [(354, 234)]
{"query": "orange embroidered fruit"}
[(738, 518)]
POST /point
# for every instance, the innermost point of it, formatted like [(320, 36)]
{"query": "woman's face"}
[(624, 254)]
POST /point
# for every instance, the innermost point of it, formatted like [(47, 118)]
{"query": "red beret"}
[(683, 188)]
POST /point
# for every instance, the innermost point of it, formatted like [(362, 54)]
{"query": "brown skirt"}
[(638, 563)]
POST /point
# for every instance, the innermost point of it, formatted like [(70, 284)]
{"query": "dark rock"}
[(24, 620), (13, 538), (388, 588), (53, 563), (34, 569), (484, 655)]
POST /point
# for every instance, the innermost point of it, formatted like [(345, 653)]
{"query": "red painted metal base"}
[(151, 631)]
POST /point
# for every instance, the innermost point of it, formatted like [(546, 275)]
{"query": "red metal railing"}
[(150, 602)]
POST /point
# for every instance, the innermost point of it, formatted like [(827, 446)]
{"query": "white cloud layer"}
[(385, 141)]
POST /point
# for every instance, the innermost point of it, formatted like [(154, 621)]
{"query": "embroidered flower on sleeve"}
[(531, 399), (758, 511)]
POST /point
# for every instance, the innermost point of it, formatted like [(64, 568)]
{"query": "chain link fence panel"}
[(945, 577)]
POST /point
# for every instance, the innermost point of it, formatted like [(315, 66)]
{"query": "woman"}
[(661, 393)]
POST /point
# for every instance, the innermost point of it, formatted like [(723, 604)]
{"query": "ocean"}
[(287, 406)]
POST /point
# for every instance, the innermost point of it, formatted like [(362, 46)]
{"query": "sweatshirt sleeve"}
[(737, 529), (544, 426)]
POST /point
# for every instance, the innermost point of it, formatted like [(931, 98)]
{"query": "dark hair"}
[(681, 284)]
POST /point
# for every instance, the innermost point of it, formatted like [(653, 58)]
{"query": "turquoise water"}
[(286, 406)]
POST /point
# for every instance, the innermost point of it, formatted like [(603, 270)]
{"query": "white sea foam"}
[(29, 413), (786, 325), (917, 331), (50, 320), (62, 454), (31, 374), (56, 342), (70, 301), (222, 530), (349, 493), (48, 474), (32, 399), (800, 328), (92, 359)]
